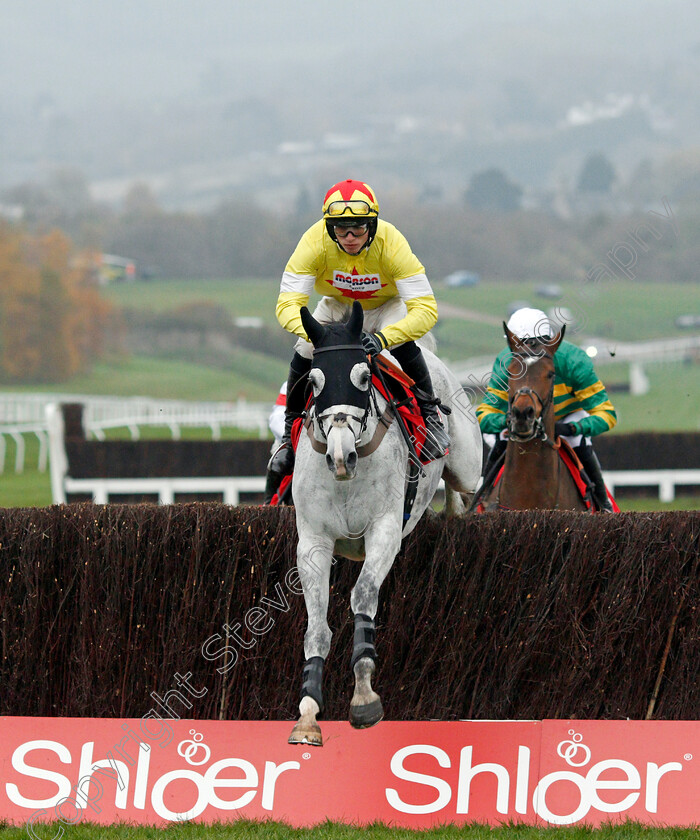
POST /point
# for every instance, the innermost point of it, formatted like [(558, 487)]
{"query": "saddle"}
[(575, 467), (399, 387)]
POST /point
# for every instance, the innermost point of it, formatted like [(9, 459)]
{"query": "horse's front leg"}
[(382, 545), (314, 558)]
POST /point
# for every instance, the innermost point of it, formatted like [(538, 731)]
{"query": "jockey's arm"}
[(601, 415), (421, 315), (295, 291), (414, 289), (491, 412), (587, 392)]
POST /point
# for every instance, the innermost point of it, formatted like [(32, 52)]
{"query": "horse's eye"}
[(317, 380), (360, 376)]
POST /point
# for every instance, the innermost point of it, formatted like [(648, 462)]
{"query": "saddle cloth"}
[(570, 459)]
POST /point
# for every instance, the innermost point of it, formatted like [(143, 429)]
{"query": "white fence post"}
[(58, 460)]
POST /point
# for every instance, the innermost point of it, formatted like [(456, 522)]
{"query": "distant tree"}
[(69, 191), (51, 316), (597, 175), (140, 201), (491, 189), (32, 198), (642, 187), (19, 327), (304, 204)]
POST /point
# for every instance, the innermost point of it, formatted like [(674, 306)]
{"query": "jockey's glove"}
[(565, 429), (372, 343)]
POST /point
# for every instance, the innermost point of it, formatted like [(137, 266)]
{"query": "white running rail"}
[(25, 414)]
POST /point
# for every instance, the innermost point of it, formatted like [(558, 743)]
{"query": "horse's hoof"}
[(306, 732), (362, 717)]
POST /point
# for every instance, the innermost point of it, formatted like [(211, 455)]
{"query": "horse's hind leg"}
[(454, 504), (314, 563)]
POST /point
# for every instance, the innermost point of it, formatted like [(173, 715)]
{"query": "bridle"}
[(361, 421), (538, 431)]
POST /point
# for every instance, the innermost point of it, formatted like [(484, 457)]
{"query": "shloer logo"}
[(590, 783), (134, 781)]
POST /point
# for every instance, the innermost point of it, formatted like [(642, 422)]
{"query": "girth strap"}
[(363, 644)]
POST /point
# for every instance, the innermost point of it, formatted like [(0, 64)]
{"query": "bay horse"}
[(534, 475), (349, 486)]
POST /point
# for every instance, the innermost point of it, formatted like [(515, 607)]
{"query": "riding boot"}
[(493, 462), (411, 360), (282, 462), (272, 485), (591, 465)]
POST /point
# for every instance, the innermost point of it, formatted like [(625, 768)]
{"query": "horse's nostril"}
[(329, 461), (351, 460)]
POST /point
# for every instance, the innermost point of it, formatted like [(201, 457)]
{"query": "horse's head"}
[(531, 386), (340, 378)]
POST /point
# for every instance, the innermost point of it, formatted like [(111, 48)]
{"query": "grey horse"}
[(350, 479)]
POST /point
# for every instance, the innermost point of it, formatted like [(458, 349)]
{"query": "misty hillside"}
[(205, 102)]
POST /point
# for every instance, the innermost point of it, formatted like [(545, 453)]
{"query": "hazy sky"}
[(136, 49), (136, 88)]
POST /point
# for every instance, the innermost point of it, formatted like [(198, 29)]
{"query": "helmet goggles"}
[(355, 207)]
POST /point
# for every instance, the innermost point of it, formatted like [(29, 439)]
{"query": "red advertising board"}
[(154, 771)]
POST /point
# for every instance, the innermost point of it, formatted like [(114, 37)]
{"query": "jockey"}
[(351, 254), (275, 423), (581, 405)]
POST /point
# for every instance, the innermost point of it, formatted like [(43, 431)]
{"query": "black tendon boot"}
[(411, 360), (591, 465), (282, 462)]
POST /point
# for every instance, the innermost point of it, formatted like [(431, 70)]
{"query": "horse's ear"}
[(314, 330), (356, 319), (557, 340)]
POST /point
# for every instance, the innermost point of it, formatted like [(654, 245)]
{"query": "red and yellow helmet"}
[(350, 199), (350, 203)]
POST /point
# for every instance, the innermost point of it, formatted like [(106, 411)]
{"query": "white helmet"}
[(530, 323)]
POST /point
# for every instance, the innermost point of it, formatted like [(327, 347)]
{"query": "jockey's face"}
[(352, 239)]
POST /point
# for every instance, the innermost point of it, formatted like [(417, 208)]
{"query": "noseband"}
[(538, 430)]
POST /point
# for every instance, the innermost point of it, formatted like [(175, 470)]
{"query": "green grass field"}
[(240, 297), (618, 311), (252, 376), (246, 830)]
